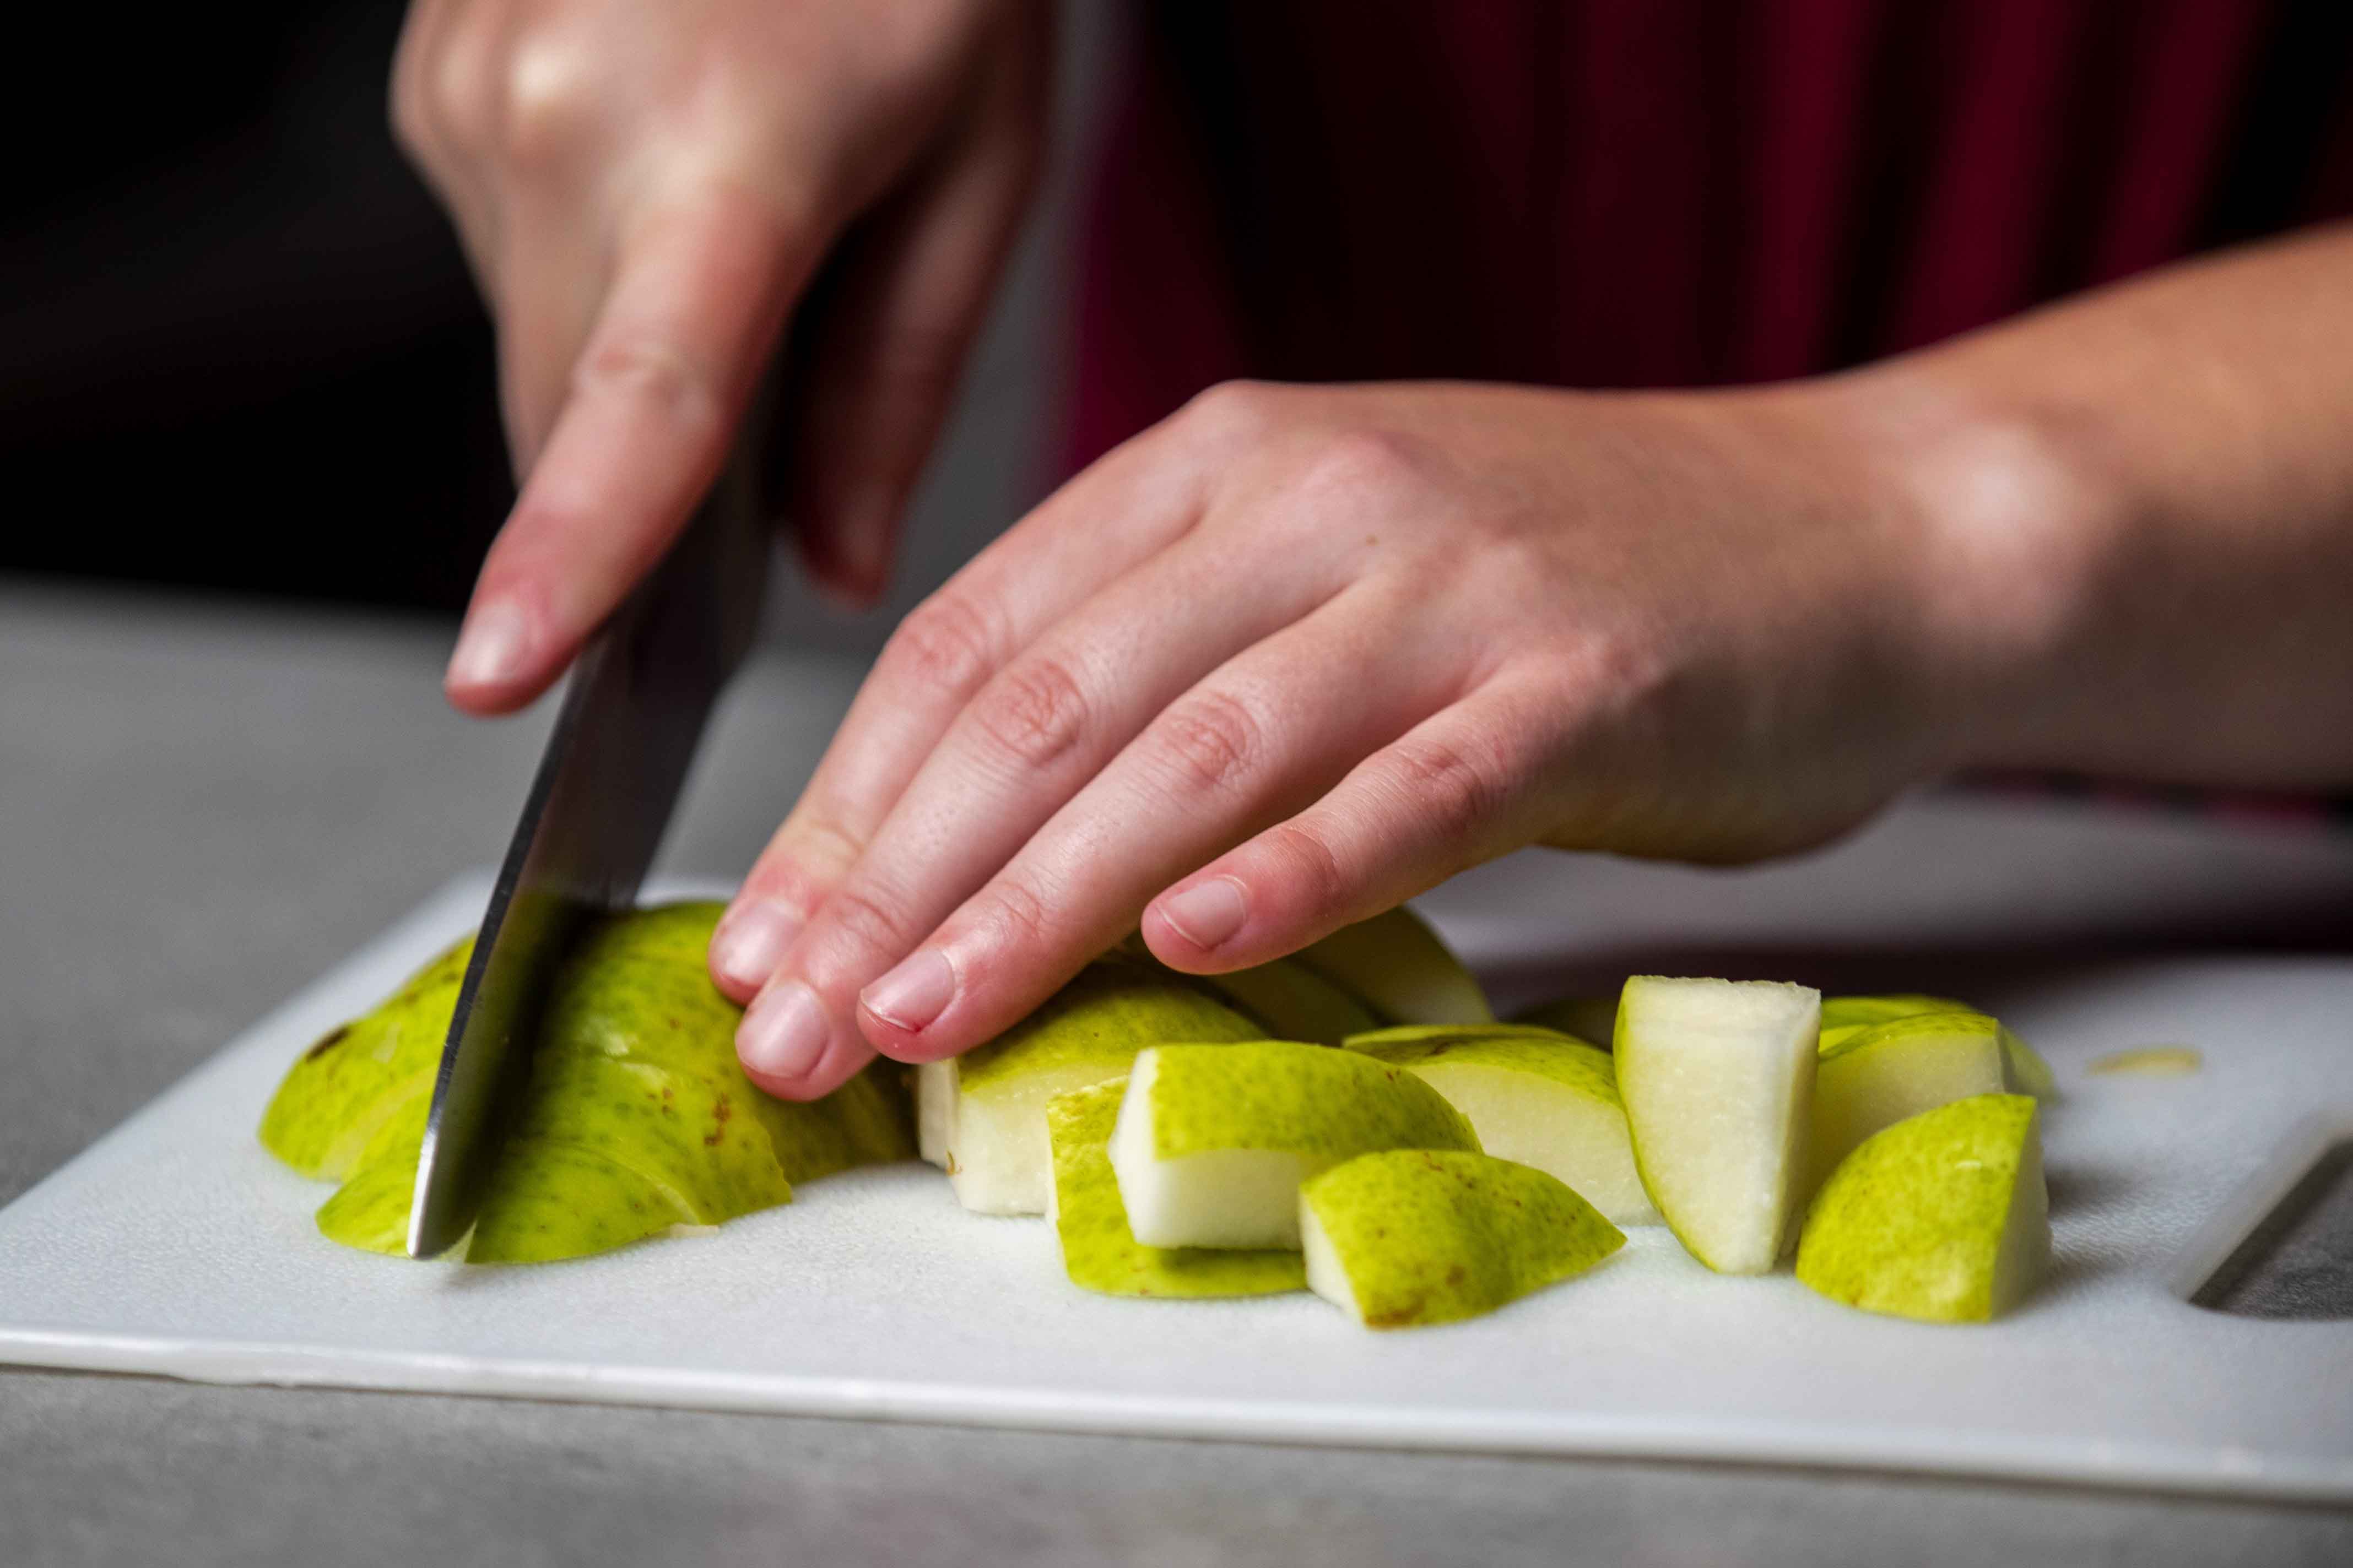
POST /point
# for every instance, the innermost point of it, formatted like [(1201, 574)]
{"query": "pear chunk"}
[(984, 1111), (1290, 1002), (1877, 1076), (1717, 1079), (1099, 1253), (1412, 1236), (1534, 1096), (1942, 1217), (2024, 1069), (1593, 1019), (1213, 1141), (1402, 968)]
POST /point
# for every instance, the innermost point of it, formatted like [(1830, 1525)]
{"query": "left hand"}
[(1297, 654)]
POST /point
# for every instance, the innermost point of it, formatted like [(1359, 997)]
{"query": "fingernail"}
[(915, 993), (1206, 913), (784, 1031), (490, 650), (751, 941)]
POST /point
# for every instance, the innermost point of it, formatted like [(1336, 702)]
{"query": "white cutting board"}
[(176, 1246)]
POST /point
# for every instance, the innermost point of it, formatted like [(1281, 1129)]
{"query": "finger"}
[(1122, 511), (1457, 790), (904, 298), (651, 407), (1028, 742), (1259, 738), (551, 279)]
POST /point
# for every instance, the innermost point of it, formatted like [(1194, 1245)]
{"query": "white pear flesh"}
[(989, 1104), (1534, 1096), (1717, 1079), (1395, 963), (1943, 1217), (1213, 1143), (1881, 1075)]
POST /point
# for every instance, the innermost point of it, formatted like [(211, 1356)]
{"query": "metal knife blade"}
[(631, 718)]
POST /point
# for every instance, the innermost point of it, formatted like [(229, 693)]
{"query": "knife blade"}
[(632, 715)]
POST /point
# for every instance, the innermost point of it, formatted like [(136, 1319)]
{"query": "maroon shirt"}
[(1667, 193)]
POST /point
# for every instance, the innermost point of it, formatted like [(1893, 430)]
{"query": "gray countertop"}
[(204, 805)]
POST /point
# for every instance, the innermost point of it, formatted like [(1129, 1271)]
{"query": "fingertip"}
[(748, 943), (1189, 927), (498, 664)]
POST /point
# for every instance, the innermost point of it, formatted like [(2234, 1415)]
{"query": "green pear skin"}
[(1213, 1141), (635, 1116), (1883, 1073), (987, 1107), (1289, 1001), (1717, 1079), (1534, 1096), (1100, 1254), (1415, 1237), (1401, 968), (1942, 1217)]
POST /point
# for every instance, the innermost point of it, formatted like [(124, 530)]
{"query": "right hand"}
[(645, 193)]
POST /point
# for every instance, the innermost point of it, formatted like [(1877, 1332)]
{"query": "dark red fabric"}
[(1668, 193)]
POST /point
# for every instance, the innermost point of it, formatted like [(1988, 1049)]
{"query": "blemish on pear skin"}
[(328, 1042), (720, 1111)]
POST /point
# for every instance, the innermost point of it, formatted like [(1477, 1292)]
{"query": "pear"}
[(987, 1107), (1411, 1237), (1289, 1001), (369, 1079), (1401, 969), (1942, 1217), (635, 1116), (1881, 1073), (1534, 1096), (1593, 1019), (1213, 1141), (1717, 1076), (1099, 1253), (2024, 1070)]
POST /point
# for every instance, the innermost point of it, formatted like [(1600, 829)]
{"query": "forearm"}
[(2141, 503)]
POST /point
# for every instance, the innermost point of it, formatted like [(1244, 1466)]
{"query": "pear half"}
[(1717, 1079), (1213, 1141), (1412, 1236), (1942, 1217), (982, 1114), (1534, 1096), (1402, 968), (1877, 1076), (1099, 1253)]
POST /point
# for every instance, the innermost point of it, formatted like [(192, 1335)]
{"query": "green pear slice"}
[(1213, 1141), (1291, 1002), (988, 1105), (1400, 967), (1879, 1074), (1593, 1019), (1534, 1096), (1411, 1237), (345, 1090), (2023, 1068), (1718, 1079), (1942, 1217), (1099, 1253)]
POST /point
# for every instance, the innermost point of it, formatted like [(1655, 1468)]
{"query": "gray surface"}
[(203, 808)]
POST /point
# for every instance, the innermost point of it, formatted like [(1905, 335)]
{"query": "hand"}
[(646, 191), (1298, 654)]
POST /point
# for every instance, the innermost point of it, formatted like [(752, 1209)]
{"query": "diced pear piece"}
[(1534, 1096), (1884, 1073), (993, 1099), (1717, 1079), (1213, 1141), (1399, 965), (1593, 1019), (1291, 1002), (1099, 1251), (1942, 1217), (2024, 1070), (1412, 1236)]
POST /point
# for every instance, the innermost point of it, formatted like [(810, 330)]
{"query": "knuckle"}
[(1231, 411), (1311, 874), (1358, 466), (1457, 789), (550, 97), (1208, 740), (944, 645), (655, 374), (869, 921), (1020, 913), (1035, 711)]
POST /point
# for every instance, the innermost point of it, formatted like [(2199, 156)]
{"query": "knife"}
[(632, 715)]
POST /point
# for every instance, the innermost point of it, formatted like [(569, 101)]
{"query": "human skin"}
[(1298, 653)]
